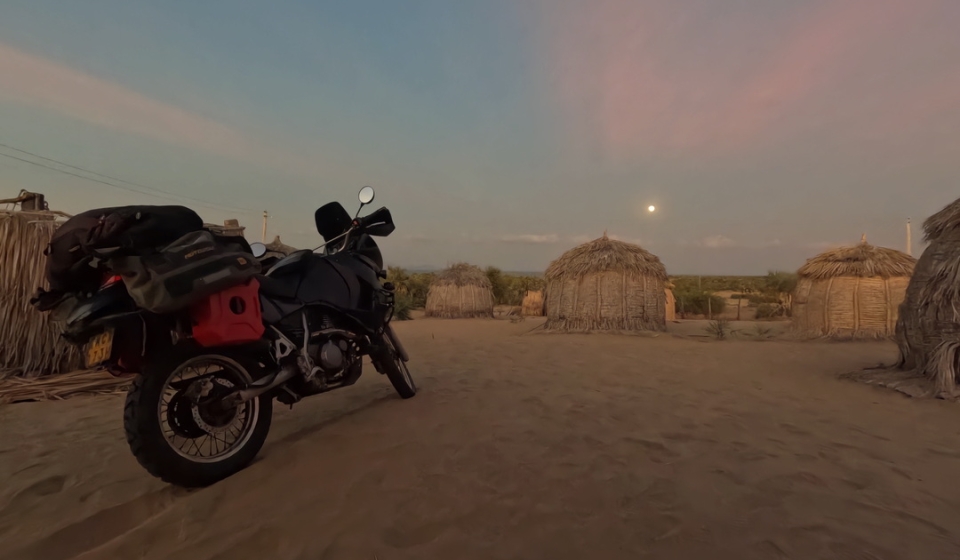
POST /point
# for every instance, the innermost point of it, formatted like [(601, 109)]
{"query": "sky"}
[(500, 132)]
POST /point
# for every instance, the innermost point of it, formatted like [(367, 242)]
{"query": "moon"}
[(651, 208)]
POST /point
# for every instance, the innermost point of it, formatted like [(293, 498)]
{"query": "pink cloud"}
[(634, 77), (34, 81)]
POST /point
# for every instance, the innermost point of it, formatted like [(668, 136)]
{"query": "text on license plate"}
[(99, 348)]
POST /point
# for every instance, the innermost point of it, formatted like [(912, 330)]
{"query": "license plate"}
[(98, 350)]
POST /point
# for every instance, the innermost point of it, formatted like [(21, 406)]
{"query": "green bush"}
[(402, 306), (763, 299), (413, 285), (509, 289), (771, 310), (699, 303)]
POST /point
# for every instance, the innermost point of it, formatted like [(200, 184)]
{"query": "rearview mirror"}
[(366, 195), (258, 249)]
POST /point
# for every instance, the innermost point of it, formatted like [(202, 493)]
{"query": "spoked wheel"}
[(179, 429), (397, 371)]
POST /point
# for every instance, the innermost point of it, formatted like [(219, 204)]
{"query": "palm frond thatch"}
[(862, 260), (944, 222), (607, 255), (928, 330), (30, 341), (851, 292), (606, 285), (64, 386), (459, 292), (277, 246)]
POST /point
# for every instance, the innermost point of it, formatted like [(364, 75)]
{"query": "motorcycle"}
[(200, 405)]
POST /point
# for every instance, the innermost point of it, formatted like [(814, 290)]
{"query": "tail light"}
[(110, 280)]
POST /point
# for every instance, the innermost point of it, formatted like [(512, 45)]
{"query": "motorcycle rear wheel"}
[(194, 444)]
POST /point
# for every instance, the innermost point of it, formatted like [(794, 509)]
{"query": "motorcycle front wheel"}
[(390, 363), (186, 437)]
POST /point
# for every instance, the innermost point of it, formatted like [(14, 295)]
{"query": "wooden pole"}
[(909, 240), (263, 237)]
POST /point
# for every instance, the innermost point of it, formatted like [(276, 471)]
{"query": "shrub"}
[(770, 310), (402, 306), (699, 303), (719, 328)]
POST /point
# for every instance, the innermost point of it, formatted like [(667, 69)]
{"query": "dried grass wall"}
[(533, 304), (29, 342), (848, 306), (928, 332), (606, 301), (449, 301), (671, 305)]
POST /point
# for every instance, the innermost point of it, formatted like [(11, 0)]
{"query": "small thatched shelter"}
[(230, 227), (671, 302), (533, 303), (606, 285), (277, 246), (851, 292), (928, 331), (460, 292), (30, 341)]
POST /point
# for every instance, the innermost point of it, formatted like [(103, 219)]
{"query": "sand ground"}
[(524, 447)]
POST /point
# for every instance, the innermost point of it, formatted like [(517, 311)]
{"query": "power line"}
[(159, 193)]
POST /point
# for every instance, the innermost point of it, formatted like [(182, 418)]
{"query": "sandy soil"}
[(524, 447)]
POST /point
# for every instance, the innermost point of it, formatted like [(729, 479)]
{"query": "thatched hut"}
[(230, 227), (851, 292), (606, 285), (533, 303), (30, 340), (928, 330), (460, 292), (277, 246)]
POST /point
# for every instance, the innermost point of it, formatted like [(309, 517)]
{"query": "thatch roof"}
[(862, 260), (277, 246), (945, 221), (462, 274), (606, 255)]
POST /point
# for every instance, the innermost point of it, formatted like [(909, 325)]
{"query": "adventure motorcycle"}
[(200, 405)]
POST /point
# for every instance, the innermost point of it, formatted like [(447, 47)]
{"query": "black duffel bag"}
[(131, 228)]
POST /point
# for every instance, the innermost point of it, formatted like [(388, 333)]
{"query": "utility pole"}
[(263, 238), (909, 240)]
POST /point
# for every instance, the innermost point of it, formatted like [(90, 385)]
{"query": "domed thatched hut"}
[(606, 285), (533, 303), (851, 292), (30, 340), (460, 292), (928, 331)]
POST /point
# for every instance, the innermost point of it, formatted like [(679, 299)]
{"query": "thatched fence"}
[(851, 292), (30, 342), (532, 305)]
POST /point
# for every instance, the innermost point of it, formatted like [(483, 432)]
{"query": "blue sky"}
[(502, 132)]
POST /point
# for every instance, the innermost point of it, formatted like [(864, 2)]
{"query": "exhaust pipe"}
[(261, 386)]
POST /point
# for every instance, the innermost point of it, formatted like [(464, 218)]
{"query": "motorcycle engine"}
[(332, 355)]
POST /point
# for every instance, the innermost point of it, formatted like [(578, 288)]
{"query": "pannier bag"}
[(185, 272), (133, 228)]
